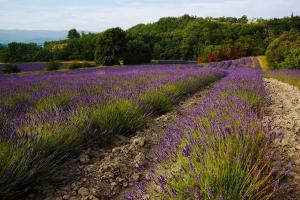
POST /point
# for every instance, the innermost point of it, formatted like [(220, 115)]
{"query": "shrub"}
[(52, 66), (283, 52), (120, 117), (87, 65), (156, 102), (55, 102), (110, 47), (16, 100), (75, 65), (291, 60), (10, 68), (137, 52)]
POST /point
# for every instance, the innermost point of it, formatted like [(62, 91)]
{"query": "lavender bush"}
[(28, 67), (48, 117), (221, 150)]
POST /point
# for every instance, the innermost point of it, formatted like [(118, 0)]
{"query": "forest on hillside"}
[(172, 38)]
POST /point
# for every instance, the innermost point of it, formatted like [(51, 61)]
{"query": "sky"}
[(98, 15)]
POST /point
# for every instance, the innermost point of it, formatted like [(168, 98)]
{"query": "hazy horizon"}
[(96, 16)]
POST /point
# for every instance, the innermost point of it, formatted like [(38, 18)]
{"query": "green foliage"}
[(117, 118), (87, 65), (110, 47), (13, 101), (10, 68), (52, 66), (290, 78), (263, 62), (23, 52), (75, 65), (137, 52), (176, 38), (73, 33), (61, 101), (156, 102), (291, 60), (283, 52)]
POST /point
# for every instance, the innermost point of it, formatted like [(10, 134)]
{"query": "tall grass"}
[(118, 117), (264, 63), (291, 77)]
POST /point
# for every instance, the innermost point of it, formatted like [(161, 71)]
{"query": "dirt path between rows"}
[(103, 173), (284, 112)]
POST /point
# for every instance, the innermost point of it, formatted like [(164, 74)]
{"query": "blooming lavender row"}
[(235, 64), (221, 150), (28, 67), (45, 118)]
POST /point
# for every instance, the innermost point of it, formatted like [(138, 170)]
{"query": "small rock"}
[(136, 176), (125, 184), (84, 158), (113, 185), (66, 196), (116, 150), (140, 141), (139, 159), (108, 175), (147, 177), (83, 191), (119, 180)]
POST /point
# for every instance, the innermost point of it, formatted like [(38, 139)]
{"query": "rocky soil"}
[(103, 173), (284, 113)]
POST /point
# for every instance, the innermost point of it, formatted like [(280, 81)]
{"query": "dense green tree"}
[(110, 47), (291, 60), (137, 52), (73, 33), (21, 52), (186, 37), (283, 52), (10, 68)]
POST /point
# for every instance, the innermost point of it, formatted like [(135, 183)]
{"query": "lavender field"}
[(29, 67), (221, 150)]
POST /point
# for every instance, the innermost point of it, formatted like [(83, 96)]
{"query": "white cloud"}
[(98, 15)]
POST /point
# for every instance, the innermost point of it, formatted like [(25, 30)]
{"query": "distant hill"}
[(27, 36)]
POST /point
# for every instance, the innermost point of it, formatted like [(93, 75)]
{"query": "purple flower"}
[(186, 151)]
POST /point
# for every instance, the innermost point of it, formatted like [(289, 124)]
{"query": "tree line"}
[(171, 38)]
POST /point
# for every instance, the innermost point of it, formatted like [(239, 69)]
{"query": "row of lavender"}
[(230, 64), (221, 150), (46, 118), (28, 67), (236, 64)]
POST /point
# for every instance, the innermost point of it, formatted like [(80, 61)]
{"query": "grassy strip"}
[(49, 145), (291, 77), (264, 63), (220, 151)]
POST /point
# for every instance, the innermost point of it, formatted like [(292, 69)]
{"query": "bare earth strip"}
[(104, 172), (285, 116)]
